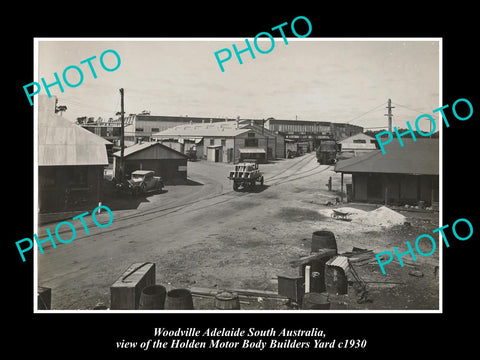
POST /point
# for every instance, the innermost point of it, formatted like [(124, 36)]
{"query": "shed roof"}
[(61, 142), (136, 148), (358, 146), (419, 157), (356, 136), (225, 129)]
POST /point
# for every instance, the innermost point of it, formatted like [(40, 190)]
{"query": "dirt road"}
[(206, 235)]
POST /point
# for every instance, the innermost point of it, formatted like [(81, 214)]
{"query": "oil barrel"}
[(152, 298), (179, 299), (225, 300), (315, 301), (323, 239)]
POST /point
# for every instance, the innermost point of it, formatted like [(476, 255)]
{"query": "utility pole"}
[(390, 115), (122, 135)]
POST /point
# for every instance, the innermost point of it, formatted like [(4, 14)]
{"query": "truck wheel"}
[(235, 186)]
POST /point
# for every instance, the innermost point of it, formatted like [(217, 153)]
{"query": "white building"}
[(357, 144)]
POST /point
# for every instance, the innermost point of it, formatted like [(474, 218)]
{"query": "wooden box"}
[(291, 287), (125, 292)]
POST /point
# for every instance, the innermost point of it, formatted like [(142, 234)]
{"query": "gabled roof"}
[(61, 142), (419, 157), (136, 148), (356, 136)]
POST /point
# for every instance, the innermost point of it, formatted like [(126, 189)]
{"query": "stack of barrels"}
[(156, 297)]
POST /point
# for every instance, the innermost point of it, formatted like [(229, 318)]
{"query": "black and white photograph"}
[(218, 180), (279, 184)]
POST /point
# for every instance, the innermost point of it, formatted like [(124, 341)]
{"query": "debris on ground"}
[(333, 202), (383, 216), (360, 256), (339, 215), (415, 273), (345, 209)]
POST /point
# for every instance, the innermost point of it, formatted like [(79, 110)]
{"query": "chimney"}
[(238, 120)]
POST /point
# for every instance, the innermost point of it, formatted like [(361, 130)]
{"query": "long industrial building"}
[(304, 135), (228, 141), (309, 134)]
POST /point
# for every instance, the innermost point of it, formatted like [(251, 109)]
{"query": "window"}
[(251, 142), (373, 141), (360, 141), (155, 130), (223, 142), (212, 141), (139, 129)]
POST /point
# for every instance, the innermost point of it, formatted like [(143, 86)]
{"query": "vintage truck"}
[(246, 174), (141, 182)]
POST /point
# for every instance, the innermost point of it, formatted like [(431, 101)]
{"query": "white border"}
[(295, 312)]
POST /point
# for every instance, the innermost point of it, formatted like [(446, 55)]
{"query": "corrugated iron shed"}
[(419, 157), (356, 137), (61, 143), (339, 261), (136, 148)]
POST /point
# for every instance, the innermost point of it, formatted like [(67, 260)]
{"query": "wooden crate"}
[(125, 292), (291, 287)]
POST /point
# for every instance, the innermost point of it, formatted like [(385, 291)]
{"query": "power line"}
[(406, 107), (369, 111), (376, 127)]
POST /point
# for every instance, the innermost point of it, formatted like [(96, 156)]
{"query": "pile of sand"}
[(382, 216)]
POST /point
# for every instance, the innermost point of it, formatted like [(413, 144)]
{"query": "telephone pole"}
[(122, 135), (390, 115)]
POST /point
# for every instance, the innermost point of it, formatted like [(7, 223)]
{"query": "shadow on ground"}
[(255, 189)]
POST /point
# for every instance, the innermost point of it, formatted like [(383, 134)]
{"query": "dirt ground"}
[(203, 234)]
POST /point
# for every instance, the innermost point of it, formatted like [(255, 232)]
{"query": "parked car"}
[(141, 182)]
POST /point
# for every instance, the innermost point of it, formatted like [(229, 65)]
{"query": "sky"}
[(307, 79)]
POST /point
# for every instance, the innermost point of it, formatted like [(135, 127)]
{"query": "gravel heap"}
[(383, 216)]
